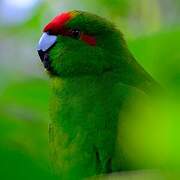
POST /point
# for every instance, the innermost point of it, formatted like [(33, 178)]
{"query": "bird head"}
[(79, 43)]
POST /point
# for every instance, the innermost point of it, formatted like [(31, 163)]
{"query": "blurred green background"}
[(152, 30)]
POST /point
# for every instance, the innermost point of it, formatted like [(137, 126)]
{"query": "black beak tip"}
[(41, 55), (45, 59)]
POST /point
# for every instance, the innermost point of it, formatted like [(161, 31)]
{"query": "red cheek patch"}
[(55, 26), (88, 39)]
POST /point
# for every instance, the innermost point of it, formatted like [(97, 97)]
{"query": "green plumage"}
[(91, 85)]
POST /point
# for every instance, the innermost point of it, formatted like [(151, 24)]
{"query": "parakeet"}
[(93, 74)]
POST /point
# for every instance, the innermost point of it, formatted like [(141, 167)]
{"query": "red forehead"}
[(58, 22)]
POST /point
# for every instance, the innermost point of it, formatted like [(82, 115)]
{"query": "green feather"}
[(91, 85)]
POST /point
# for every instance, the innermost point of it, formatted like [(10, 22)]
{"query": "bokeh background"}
[(152, 31)]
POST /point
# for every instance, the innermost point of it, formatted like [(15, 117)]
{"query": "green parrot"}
[(93, 76)]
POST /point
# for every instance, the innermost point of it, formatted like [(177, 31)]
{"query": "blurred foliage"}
[(153, 37), (159, 55)]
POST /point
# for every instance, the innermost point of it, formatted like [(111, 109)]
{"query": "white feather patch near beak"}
[(46, 41)]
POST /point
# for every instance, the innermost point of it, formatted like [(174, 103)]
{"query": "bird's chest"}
[(88, 111), (91, 113), (85, 125), (86, 103)]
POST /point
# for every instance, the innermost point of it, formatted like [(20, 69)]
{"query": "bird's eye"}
[(49, 32), (75, 33)]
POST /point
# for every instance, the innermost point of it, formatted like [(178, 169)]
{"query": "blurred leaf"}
[(24, 119), (15, 164), (160, 56)]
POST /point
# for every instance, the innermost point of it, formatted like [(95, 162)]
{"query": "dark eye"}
[(49, 32), (75, 33)]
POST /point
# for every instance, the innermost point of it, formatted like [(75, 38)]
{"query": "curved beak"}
[(45, 43)]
